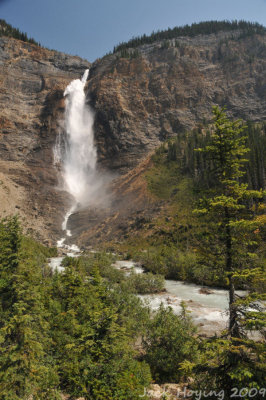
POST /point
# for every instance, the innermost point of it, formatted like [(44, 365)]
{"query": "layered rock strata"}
[(140, 99), (32, 81)]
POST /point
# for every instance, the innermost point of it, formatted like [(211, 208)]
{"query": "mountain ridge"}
[(198, 28), (139, 99), (142, 100)]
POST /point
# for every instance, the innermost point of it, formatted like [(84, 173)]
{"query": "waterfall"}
[(79, 163), (75, 150)]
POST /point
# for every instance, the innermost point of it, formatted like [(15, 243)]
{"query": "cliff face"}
[(130, 207), (139, 101), (163, 89), (32, 81), (171, 86)]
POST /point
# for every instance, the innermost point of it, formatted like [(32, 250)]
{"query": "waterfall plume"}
[(75, 150), (79, 163)]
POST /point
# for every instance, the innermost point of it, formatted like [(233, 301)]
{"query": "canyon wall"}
[(140, 99), (170, 86), (32, 82)]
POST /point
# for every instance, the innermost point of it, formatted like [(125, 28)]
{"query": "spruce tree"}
[(231, 205), (234, 215), (93, 350), (26, 367)]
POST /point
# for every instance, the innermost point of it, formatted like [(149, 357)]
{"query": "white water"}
[(55, 264), (64, 223), (209, 311), (76, 153), (79, 163)]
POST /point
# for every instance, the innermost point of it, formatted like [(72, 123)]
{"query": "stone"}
[(138, 104), (32, 81), (143, 101)]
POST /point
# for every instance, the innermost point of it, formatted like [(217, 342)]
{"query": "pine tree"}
[(95, 358), (231, 205), (26, 367), (234, 213)]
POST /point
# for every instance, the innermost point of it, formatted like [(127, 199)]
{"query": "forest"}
[(8, 30), (202, 28), (179, 176), (85, 333)]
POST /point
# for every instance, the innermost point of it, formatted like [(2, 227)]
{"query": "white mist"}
[(79, 163), (75, 150)]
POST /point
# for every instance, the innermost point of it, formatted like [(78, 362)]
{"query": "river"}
[(208, 311)]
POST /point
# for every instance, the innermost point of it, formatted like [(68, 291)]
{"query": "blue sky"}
[(92, 28)]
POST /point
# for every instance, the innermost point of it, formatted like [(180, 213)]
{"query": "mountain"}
[(146, 92), (170, 86), (32, 82)]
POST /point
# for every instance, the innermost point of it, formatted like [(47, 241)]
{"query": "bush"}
[(170, 262), (146, 283), (229, 365), (169, 341)]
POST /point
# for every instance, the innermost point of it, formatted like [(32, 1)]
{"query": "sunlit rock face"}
[(171, 87), (32, 82), (142, 101), (137, 102)]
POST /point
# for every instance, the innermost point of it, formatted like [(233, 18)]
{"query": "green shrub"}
[(169, 341), (146, 283)]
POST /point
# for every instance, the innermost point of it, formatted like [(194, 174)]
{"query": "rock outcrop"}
[(168, 87), (32, 81), (140, 100), (130, 207), (143, 99)]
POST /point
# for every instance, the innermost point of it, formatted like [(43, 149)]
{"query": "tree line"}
[(202, 28), (8, 30)]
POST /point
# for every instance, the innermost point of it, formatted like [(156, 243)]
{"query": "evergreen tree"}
[(9, 249), (26, 367), (237, 228), (231, 204), (94, 353), (201, 28), (169, 340), (8, 30)]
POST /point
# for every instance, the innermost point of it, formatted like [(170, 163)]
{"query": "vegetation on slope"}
[(235, 227), (171, 243), (8, 30), (234, 213), (207, 27), (75, 332)]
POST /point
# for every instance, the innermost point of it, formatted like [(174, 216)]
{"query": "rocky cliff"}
[(143, 97), (166, 87), (140, 98), (32, 81)]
